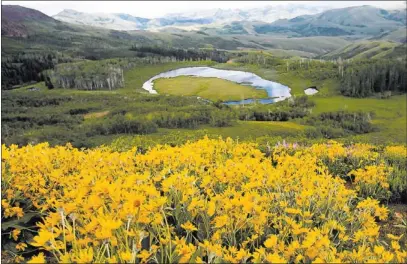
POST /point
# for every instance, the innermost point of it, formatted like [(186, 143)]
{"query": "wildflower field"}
[(208, 201)]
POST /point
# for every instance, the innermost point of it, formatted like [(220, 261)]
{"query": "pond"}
[(310, 91), (275, 91)]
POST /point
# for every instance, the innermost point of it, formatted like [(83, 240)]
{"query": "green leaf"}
[(10, 246), (18, 223)]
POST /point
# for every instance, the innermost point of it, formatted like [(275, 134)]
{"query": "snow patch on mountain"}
[(193, 19)]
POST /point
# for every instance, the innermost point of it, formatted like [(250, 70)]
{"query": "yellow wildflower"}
[(189, 227), (15, 233), (21, 246), (40, 258)]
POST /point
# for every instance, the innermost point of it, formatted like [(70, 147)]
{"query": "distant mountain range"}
[(282, 21), (109, 21), (187, 20), (288, 20), (360, 20), (29, 30), (265, 14)]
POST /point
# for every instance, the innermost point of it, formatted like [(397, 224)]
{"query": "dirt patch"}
[(396, 224), (96, 115)]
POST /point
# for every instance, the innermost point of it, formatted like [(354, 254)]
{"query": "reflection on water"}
[(275, 91), (261, 101)]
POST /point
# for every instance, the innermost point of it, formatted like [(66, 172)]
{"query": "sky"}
[(153, 9)]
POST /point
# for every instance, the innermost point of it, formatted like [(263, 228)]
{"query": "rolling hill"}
[(29, 30), (17, 21), (360, 21), (25, 29), (33, 31), (297, 20), (399, 35), (369, 50)]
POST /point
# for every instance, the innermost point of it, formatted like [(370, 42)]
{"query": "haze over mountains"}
[(305, 35), (120, 21), (360, 20), (283, 20), (291, 20)]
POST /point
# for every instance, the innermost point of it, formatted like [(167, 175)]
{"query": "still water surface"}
[(275, 91)]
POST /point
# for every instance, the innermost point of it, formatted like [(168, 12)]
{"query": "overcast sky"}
[(152, 9)]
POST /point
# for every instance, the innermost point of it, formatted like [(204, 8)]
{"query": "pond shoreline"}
[(275, 91)]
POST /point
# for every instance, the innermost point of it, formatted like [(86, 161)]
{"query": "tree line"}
[(357, 78), (18, 69), (62, 71), (182, 54), (365, 78)]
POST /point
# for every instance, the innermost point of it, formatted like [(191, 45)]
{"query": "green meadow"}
[(213, 89), (77, 111)]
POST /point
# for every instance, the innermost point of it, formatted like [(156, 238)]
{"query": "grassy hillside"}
[(315, 45), (42, 33), (365, 50), (18, 21), (359, 21), (399, 35), (106, 44), (389, 116)]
